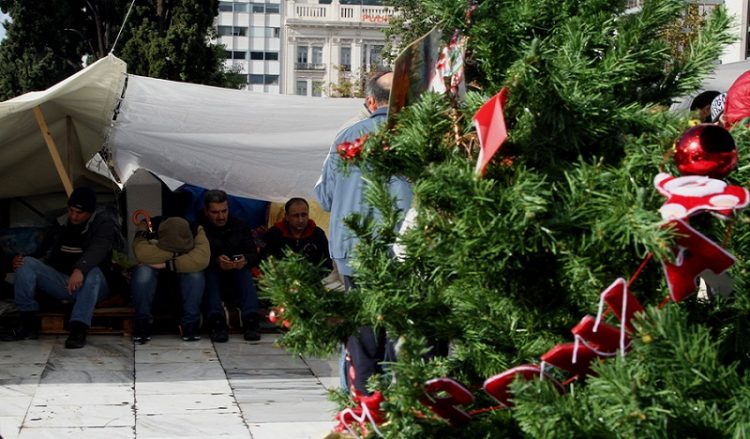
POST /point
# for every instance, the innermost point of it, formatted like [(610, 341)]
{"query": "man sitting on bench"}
[(233, 253), (76, 251), (175, 250)]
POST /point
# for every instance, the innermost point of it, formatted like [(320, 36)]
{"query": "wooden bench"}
[(106, 320)]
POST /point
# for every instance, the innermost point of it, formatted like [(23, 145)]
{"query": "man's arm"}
[(145, 251), (247, 245), (326, 184), (272, 242), (196, 259), (323, 248), (100, 246)]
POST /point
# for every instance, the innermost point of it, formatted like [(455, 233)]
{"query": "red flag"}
[(695, 253), (490, 123)]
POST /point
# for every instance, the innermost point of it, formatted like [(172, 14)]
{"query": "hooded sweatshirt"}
[(313, 244)]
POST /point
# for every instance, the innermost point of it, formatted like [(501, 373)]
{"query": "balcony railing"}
[(309, 66), (346, 13)]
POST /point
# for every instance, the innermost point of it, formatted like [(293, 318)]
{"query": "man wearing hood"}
[(298, 233), (176, 250), (76, 253)]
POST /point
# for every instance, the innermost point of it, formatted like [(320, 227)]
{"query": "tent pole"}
[(69, 143), (53, 150)]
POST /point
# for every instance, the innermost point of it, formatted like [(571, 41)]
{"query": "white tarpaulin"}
[(268, 147), (263, 146), (724, 75), (77, 112), (719, 80)]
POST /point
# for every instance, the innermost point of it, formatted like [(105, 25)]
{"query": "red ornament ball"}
[(706, 149)]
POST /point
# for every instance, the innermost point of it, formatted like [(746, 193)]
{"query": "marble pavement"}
[(165, 389)]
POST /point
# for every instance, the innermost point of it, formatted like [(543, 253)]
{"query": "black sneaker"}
[(191, 337), (190, 332), (251, 334), (251, 324), (28, 328), (141, 339), (219, 335), (77, 337), (20, 333), (141, 332)]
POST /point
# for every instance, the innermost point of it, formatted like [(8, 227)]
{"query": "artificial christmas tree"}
[(504, 263)]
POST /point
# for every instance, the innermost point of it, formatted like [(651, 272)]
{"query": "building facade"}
[(330, 47), (251, 34), (326, 47), (304, 47)]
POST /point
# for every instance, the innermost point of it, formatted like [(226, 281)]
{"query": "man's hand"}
[(225, 262), (17, 262), (159, 266), (75, 281), (240, 263)]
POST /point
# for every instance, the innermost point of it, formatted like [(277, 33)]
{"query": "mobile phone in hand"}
[(236, 257)]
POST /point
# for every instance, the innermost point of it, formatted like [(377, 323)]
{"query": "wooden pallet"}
[(110, 320)]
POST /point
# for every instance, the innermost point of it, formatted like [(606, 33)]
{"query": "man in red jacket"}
[(298, 233)]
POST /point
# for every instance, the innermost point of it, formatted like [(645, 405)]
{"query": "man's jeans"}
[(237, 281), (35, 274), (368, 349), (143, 286)]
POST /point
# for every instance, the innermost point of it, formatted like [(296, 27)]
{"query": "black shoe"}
[(77, 337), (141, 332), (28, 328), (141, 339), (252, 328), (20, 333), (219, 330), (219, 335), (191, 337), (252, 334), (190, 332)]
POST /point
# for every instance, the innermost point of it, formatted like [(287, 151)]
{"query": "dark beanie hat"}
[(175, 235), (83, 198)]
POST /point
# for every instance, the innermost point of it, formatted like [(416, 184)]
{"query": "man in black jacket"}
[(298, 233), (76, 251), (233, 253)]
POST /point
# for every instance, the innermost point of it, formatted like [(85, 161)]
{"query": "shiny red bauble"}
[(706, 149)]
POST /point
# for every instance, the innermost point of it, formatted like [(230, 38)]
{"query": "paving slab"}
[(14, 406), (207, 425), (187, 403), (289, 430), (167, 388), (10, 426), (72, 416), (78, 433)]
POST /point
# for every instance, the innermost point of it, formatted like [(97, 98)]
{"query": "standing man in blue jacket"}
[(343, 194)]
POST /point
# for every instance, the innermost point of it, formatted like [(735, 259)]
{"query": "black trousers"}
[(367, 350)]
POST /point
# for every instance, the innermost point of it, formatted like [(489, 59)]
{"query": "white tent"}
[(724, 75), (67, 122), (268, 147), (719, 80)]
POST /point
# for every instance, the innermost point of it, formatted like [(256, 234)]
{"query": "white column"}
[(289, 67), (334, 60), (356, 58), (736, 51)]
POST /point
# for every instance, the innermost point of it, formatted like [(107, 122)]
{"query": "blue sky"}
[(3, 17)]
